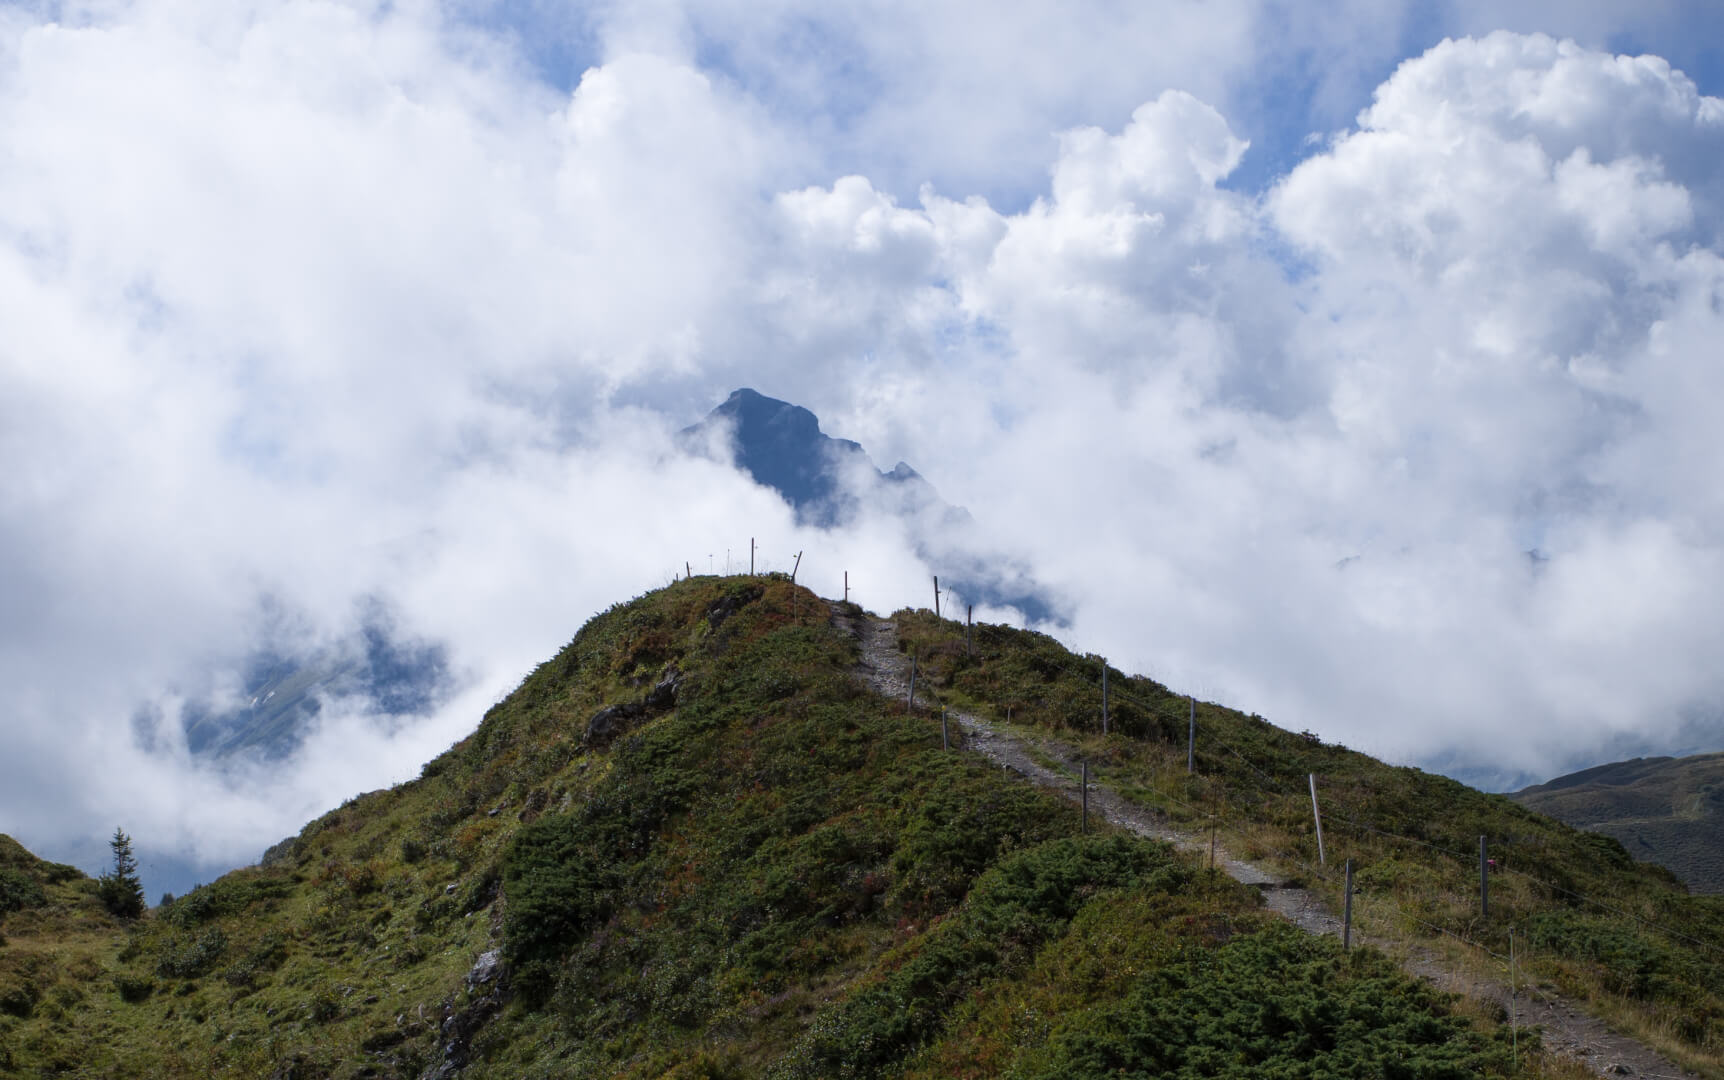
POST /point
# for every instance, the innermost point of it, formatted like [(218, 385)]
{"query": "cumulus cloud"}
[(316, 309)]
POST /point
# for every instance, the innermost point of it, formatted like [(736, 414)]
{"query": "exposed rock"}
[(731, 603), (611, 721), (489, 966), (663, 694)]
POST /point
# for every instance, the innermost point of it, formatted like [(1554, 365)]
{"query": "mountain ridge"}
[(693, 843), (1664, 810)]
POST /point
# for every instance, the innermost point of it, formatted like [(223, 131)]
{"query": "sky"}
[(1354, 366)]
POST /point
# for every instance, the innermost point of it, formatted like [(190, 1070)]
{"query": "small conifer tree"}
[(121, 891)]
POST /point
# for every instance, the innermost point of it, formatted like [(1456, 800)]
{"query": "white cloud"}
[(314, 305)]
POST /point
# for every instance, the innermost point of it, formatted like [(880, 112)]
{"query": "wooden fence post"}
[(1484, 883), (1191, 739), (1086, 796), (1318, 817), (1347, 910), (1104, 695)]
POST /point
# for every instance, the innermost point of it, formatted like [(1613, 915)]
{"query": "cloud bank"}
[(318, 310)]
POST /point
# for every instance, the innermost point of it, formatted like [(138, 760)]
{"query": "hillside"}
[(1663, 810), (694, 844)]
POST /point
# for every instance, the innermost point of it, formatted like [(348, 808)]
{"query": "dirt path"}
[(1566, 1029)]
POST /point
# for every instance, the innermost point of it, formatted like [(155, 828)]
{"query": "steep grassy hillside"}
[(1663, 810), (692, 845)]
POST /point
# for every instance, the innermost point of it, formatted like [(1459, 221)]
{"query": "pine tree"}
[(121, 891)]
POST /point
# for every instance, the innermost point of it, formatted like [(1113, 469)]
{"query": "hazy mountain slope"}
[(1663, 810), (692, 844)]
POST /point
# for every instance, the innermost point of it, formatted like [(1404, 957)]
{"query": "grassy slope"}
[(1663, 810), (1588, 920), (780, 875)]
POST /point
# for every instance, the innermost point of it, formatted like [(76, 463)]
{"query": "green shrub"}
[(1276, 1003), (182, 959), (134, 988), (19, 890)]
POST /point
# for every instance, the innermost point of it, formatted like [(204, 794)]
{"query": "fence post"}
[(688, 568), (936, 596), (1318, 817), (1347, 910), (1513, 993), (1484, 883), (1086, 796), (1104, 695), (1191, 739)]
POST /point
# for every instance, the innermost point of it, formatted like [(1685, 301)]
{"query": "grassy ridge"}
[(702, 849)]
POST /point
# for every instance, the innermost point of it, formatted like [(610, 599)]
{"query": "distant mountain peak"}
[(827, 481)]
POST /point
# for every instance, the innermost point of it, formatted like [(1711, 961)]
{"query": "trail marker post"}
[(795, 568), (936, 596), (1347, 910), (751, 556), (846, 586), (689, 568), (1317, 816)]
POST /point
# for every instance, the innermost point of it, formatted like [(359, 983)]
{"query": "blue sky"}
[(323, 309)]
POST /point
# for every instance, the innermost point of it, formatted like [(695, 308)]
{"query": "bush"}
[(1279, 1003), (134, 988), (19, 890), (182, 959)]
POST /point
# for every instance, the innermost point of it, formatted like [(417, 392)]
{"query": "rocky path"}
[(1048, 763)]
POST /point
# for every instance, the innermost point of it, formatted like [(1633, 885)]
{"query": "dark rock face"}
[(611, 721), (663, 694)]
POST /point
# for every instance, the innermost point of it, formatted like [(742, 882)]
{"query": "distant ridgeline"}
[(829, 482), (1664, 810)]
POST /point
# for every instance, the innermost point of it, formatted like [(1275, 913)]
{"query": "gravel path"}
[(1566, 1029)]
